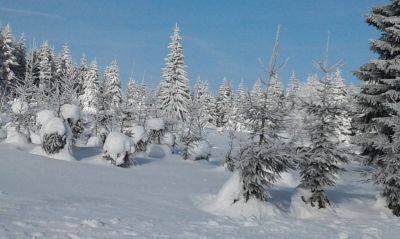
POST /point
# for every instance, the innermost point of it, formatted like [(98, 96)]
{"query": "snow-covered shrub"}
[(21, 116), (71, 115), (200, 150), (14, 136), (54, 136), (42, 117), (156, 129), (139, 137), (117, 149)]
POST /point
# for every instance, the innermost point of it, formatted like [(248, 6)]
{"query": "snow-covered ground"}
[(168, 198)]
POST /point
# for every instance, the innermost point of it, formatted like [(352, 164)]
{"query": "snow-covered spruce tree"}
[(265, 156), (202, 98), (256, 93), (174, 98), (320, 159), (224, 103), (112, 97), (378, 105), (193, 133), (46, 77), (82, 71), (90, 84), (129, 106), (292, 91), (8, 61), (20, 55)]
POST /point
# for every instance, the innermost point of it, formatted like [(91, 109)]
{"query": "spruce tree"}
[(90, 87), (174, 98), (224, 103), (378, 104), (112, 95), (8, 62)]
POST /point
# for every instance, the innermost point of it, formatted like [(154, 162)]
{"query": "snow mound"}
[(35, 138), (299, 209), (117, 146), (138, 133), (15, 137), (64, 154), (158, 151), (3, 134), (200, 150), (155, 124), (43, 116), (71, 112), (288, 180), (19, 107), (93, 141), (229, 203), (54, 125), (168, 139)]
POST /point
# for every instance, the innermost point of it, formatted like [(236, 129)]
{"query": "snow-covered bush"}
[(169, 139), (139, 137), (117, 149), (201, 150), (14, 136), (21, 116), (42, 117), (71, 115), (54, 136), (156, 129)]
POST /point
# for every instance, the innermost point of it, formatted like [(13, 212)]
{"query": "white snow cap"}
[(138, 133), (69, 111), (54, 125), (19, 107), (43, 116), (117, 143), (155, 124)]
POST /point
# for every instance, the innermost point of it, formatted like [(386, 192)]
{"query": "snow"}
[(155, 124), (19, 107), (138, 133), (201, 150), (53, 125), (15, 137), (168, 139), (93, 141), (117, 145), (158, 151), (166, 197), (69, 111), (43, 116)]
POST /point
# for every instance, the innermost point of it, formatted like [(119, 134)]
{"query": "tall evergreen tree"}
[(112, 94), (88, 98), (8, 62), (174, 95), (378, 104), (224, 103)]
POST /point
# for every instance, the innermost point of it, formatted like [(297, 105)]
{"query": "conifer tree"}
[(8, 62), (378, 104), (292, 90), (224, 103), (88, 98), (112, 95), (174, 95)]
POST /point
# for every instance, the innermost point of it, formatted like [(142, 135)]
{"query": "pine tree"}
[(320, 159), (265, 156), (202, 98), (47, 84), (378, 120), (88, 98), (112, 95), (174, 95), (256, 93), (224, 103), (19, 69), (292, 91), (8, 62), (83, 69)]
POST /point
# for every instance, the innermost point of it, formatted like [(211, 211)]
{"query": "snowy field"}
[(167, 197)]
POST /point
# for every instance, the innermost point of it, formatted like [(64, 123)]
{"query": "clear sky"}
[(221, 38)]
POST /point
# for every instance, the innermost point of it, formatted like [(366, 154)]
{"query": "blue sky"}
[(221, 38)]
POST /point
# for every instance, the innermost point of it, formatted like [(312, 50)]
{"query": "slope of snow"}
[(166, 198)]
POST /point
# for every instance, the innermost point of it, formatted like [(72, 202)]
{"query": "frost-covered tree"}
[(378, 104), (224, 103), (203, 99), (321, 158), (112, 95), (8, 62), (89, 89), (265, 156), (241, 104), (174, 98), (292, 91), (256, 93), (82, 71), (20, 55), (47, 84)]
